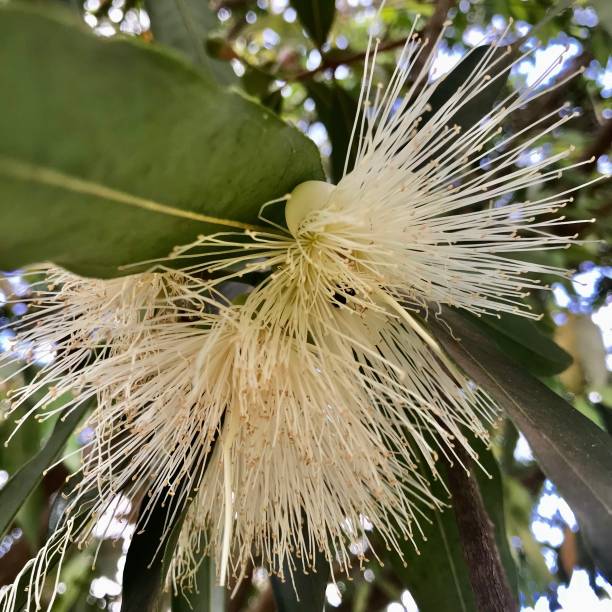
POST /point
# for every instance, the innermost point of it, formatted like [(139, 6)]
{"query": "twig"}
[(332, 63), (487, 576), (432, 30)]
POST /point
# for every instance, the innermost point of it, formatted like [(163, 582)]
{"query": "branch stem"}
[(330, 64), (489, 582)]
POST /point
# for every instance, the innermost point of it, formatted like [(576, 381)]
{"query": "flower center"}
[(306, 198)]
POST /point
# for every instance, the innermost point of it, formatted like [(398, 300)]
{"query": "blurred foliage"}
[(304, 61)]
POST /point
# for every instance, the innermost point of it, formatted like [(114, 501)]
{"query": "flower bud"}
[(306, 198)]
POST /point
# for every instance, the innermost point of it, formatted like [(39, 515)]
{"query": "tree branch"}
[(331, 63), (489, 581), (430, 32)]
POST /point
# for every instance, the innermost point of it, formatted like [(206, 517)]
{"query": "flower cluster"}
[(318, 401)]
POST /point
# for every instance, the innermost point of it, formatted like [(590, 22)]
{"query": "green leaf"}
[(472, 111), (149, 557), (573, 452), (206, 597), (145, 571), (123, 127), (317, 17), (23, 482), (24, 444), (336, 109), (27, 440), (437, 576), (522, 339), (184, 25), (302, 592)]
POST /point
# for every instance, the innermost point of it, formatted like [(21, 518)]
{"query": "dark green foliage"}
[(522, 339), (16, 491), (100, 129), (317, 17), (337, 109), (573, 452)]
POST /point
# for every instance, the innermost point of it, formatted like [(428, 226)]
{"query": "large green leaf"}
[(522, 339), (145, 571), (184, 25), (23, 482), (97, 134), (437, 576), (317, 17), (573, 452)]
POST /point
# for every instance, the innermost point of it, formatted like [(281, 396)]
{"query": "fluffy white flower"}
[(413, 225), (312, 441)]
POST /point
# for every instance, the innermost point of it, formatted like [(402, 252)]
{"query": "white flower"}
[(412, 226), (308, 440)]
